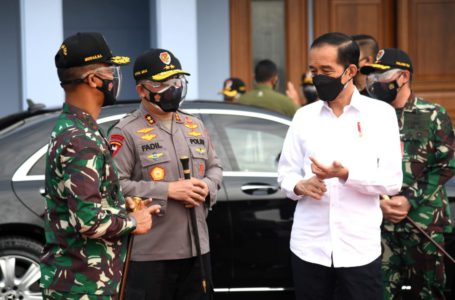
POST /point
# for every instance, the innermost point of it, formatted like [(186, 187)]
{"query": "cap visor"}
[(230, 93), (119, 60), (167, 74), (373, 67)]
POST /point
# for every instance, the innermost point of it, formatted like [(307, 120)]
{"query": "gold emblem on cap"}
[(120, 60), (165, 57), (380, 55), (93, 57), (64, 49)]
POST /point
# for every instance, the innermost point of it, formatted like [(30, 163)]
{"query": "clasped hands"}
[(191, 191), (315, 187)]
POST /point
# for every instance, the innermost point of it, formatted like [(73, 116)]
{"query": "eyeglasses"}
[(161, 86), (387, 76)]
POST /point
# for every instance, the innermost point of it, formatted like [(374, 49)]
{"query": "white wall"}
[(176, 26), (42, 34)]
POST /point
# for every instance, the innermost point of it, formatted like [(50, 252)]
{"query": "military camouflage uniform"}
[(86, 225), (410, 260)]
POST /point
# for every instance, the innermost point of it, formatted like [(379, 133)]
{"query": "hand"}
[(143, 214), (292, 93), (313, 187), (190, 191), (395, 209), (336, 169)]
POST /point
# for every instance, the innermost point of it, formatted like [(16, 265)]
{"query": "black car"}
[(249, 226)]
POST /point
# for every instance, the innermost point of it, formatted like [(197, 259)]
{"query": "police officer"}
[(412, 265), (148, 145), (85, 222)]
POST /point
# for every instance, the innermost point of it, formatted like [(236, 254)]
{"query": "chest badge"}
[(145, 130), (194, 133), (200, 150), (155, 156), (157, 173), (191, 126), (148, 137)]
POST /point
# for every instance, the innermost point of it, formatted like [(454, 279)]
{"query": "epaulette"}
[(188, 114), (128, 118)]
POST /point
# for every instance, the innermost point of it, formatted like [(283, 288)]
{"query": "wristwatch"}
[(133, 220)]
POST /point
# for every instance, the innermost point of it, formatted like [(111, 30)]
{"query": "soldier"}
[(85, 223), (411, 263), (263, 94), (368, 50), (149, 143)]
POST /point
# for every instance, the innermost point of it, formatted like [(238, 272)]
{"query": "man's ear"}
[(92, 80), (370, 59), (406, 77), (352, 70), (141, 91)]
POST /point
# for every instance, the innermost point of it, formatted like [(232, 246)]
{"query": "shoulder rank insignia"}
[(148, 137), (177, 118), (149, 119), (194, 133), (191, 126), (145, 130), (157, 173), (155, 156), (200, 150)]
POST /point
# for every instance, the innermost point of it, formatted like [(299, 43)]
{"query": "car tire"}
[(19, 268)]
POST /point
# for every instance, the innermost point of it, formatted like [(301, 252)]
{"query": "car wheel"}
[(19, 268)]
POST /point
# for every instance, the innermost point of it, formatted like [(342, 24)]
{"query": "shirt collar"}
[(356, 103), (83, 116), (262, 87)]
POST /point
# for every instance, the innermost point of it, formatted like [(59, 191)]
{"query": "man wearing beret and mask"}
[(148, 145), (340, 154), (410, 260), (86, 224)]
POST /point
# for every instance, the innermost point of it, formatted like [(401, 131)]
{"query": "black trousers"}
[(316, 282), (178, 279)]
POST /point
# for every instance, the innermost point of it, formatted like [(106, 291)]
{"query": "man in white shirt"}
[(339, 156)]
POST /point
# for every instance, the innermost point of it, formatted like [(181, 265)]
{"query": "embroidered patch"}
[(149, 119), (155, 156), (200, 150), (191, 126), (145, 130), (157, 173), (165, 58), (148, 137), (201, 169), (194, 133), (115, 143)]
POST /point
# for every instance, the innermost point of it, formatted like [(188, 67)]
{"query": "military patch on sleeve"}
[(157, 173), (116, 142), (149, 119)]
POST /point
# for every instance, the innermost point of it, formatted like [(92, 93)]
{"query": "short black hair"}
[(368, 43), (265, 70), (348, 50)]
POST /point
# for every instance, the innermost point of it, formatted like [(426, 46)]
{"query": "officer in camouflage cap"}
[(86, 224), (413, 267)]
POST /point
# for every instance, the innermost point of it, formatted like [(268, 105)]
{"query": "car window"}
[(254, 144)]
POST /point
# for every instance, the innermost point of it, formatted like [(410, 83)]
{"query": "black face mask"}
[(328, 88), (385, 91), (310, 93), (109, 90), (169, 100)]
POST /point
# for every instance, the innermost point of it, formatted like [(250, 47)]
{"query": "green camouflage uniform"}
[(412, 266), (86, 225)]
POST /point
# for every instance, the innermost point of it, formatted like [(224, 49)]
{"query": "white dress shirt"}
[(345, 224)]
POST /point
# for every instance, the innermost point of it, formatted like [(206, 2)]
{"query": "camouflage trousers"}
[(413, 268), (55, 295)]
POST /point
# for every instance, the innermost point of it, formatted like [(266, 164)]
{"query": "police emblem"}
[(165, 58), (155, 156), (157, 173), (115, 143), (200, 150), (191, 126), (194, 133)]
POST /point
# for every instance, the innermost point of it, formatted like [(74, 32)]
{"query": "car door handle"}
[(259, 188)]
